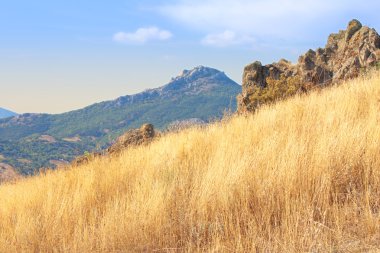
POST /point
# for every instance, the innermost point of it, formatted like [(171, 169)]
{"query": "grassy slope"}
[(300, 176)]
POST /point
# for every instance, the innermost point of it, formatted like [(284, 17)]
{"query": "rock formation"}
[(133, 137), (84, 159), (345, 55), (7, 173)]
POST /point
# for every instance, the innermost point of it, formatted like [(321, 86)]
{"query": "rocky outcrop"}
[(84, 159), (345, 55), (7, 173), (133, 137)]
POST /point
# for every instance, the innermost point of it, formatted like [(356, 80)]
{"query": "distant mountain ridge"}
[(30, 141), (4, 113), (188, 82)]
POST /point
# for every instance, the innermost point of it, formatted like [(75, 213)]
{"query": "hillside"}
[(301, 175), (4, 113), (32, 141)]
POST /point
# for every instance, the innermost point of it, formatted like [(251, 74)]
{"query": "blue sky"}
[(57, 56)]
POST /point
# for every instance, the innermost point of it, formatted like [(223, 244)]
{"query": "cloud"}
[(226, 38), (143, 35), (278, 18)]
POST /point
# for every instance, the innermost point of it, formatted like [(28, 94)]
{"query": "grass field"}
[(302, 175)]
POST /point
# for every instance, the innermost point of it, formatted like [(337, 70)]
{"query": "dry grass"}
[(299, 176)]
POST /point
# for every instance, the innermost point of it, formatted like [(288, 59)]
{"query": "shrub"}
[(276, 90)]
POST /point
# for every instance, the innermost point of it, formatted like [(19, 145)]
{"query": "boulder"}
[(133, 137), (352, 28)]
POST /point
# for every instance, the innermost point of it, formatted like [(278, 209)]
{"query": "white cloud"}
[(226, 38), (143, 35), (280, 18)]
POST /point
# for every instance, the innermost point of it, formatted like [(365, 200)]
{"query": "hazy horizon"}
[(57, 57)]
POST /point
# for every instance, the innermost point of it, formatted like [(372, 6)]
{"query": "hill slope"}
[(302, 175), (4, 113), (202, 93)]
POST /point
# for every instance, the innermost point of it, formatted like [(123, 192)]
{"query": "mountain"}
[(31, 141), (346, 55), (4, 113)]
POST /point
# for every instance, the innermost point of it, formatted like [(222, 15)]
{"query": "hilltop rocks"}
[(133, 137), (352, 28), (7, 173), (345, 55)]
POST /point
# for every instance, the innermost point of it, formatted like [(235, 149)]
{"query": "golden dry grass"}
[(299, 176)]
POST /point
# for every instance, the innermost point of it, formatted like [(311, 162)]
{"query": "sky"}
[(57, 56)]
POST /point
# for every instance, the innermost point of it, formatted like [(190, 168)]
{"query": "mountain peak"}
[(199, 71), (198, 79)]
